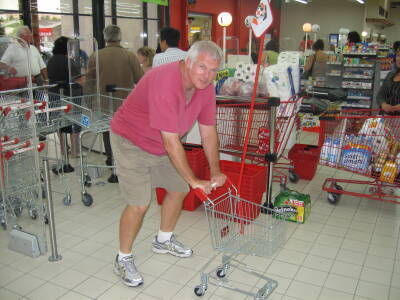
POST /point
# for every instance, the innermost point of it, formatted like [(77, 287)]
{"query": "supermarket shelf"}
[(357, 77), (357, 87), (356, 105), (359, 65), (358, 98), (334, 63), (360, 54), (333, 75)]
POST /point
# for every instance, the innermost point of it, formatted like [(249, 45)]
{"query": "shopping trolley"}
[(364, 142), (233, 114), (237, 227)]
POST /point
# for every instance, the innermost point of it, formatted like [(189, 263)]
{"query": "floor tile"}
[(93, 287), (48, 291), (71, 295), (318, 263), (346, 269), (162, 289), (291, 256), (283, 269), (120, 292), (372, 290), (311, 276), (341, 283), (8, 274), (329, 294), (351, 256), (301, 290), (324, 251), (376, 276), (394, 294), (25, 284), (8, 295), (69, 278)]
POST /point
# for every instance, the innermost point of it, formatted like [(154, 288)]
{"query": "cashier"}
[(388, 97)]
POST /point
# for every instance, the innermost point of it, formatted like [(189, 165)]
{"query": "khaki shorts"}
[(139, 172)]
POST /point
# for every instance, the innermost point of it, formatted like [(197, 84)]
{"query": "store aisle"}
[(347, 251)]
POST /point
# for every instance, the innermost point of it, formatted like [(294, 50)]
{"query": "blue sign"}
[(85, 120)]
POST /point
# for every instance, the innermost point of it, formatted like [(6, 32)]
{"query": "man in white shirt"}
[(169, 40), (15, 57)]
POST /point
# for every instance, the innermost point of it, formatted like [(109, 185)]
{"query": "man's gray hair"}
[(112, 33), (209, 47), (21, 30)]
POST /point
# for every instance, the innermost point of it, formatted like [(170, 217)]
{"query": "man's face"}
[(203, 70), (27, 36)]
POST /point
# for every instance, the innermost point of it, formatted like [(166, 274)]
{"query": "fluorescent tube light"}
[(302, 1), (361, 1)]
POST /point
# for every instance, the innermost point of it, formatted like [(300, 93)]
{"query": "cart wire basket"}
[(364, 142), (236, 227)]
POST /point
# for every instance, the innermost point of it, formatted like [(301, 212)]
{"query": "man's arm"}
[(177, 155), (209, 140)]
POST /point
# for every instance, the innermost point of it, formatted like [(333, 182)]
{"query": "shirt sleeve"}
[(156, 60), (208, 111), (163, 107)]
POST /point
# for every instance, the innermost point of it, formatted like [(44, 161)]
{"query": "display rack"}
[(360, 77)]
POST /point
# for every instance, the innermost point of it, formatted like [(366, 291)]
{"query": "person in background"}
[(169, 40), (57, 68), (146, 134), (303, 44), (353, 38), (270, 55), (396, 46), (316, 63), (146, 56), (117, 66), (15, 58), (195, 38), (388, 96)]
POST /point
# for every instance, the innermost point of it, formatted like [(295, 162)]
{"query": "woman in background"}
[(316, 63), (389, 93), (145, 56), (270, 55)]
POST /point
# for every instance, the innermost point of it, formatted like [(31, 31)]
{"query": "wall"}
[(329, 14), (239, 9), (393, 33)]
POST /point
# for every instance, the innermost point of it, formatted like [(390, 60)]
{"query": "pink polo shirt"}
[(158, 104)]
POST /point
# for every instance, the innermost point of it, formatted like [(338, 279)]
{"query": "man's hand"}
[(204, 185), (396, 107), (12, 71), (218, 180), (387, 107)]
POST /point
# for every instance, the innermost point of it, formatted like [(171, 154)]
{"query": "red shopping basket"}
[(305, 160)]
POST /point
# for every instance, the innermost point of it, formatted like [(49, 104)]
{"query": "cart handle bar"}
[(228, 185)]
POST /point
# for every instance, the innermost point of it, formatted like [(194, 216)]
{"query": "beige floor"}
[(344, 251)]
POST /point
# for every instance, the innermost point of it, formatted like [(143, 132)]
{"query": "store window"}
[(85, 7), (132, 33), (55, 6), (152, 28), (9, 23), (9, 5), (129, 8)]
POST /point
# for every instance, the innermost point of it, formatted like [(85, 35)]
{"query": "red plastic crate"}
[(305, 160)]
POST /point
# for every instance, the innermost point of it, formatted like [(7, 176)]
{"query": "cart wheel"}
[(333, 198), (67, 200), (87, 181), (293, 177), (87, 199), (199, 290), (46, 219), (221, 272), (33, 214), (338, 187), (4, 225)]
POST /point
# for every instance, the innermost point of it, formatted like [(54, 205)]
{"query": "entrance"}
[(199, 27)]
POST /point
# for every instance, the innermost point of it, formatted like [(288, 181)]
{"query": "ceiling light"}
[(302, 1), (361, 1)]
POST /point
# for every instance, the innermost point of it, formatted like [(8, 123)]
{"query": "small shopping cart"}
[(237, 227), (367, 143)]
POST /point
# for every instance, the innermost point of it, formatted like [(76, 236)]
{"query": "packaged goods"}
[(357, 154), (389, 171), (295, 205)]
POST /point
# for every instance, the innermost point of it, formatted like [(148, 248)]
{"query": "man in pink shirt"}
[(145, 138)]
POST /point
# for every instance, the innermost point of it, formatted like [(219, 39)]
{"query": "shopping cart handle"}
[(110, 88), (204, 197)]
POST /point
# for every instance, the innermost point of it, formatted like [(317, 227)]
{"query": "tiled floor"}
[(344, 251)]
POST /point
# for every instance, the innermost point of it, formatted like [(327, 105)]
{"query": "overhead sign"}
[(159, 2), (263, 18)]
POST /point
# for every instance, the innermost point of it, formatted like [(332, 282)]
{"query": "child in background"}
[(145, 56)]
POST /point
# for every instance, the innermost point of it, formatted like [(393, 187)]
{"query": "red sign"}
[(45, 32)]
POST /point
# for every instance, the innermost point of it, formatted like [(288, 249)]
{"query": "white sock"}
[(162, 236), (122, 255)]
